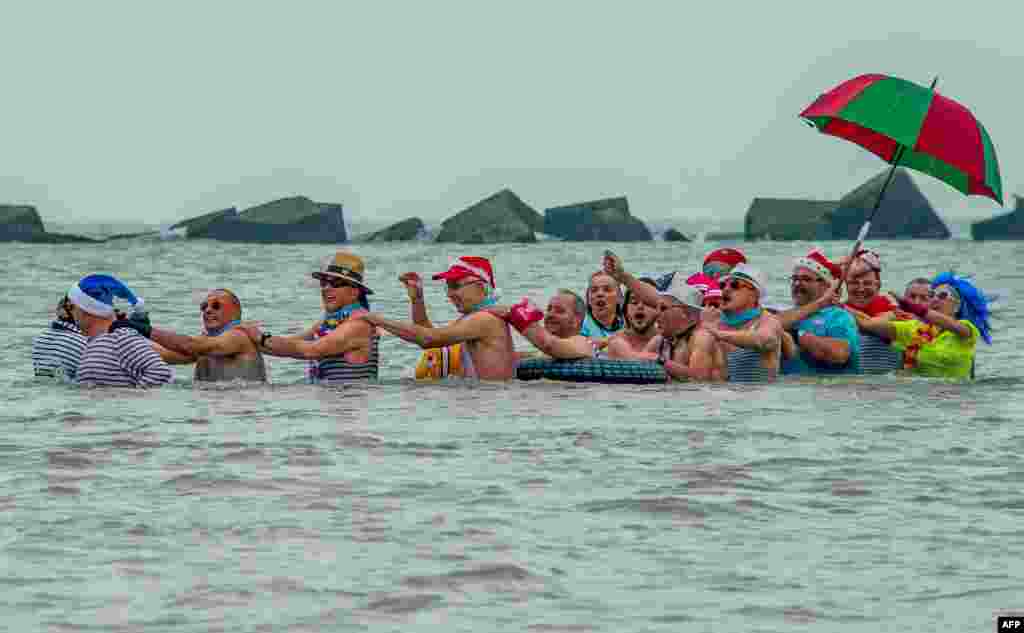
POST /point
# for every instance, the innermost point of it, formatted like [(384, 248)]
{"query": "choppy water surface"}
[(865, 505)]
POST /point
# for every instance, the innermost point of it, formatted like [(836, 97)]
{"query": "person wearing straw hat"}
[(223, 352), (487, 352), (750, 336), (117, 354), (824, 338), (340, 346)]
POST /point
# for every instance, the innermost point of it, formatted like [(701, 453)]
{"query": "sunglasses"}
[(804, 280), (334, 282), (459, 286), (942, 295), (713, 269), (214, 305)]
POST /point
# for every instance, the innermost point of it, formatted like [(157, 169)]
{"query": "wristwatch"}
[(266, 337)]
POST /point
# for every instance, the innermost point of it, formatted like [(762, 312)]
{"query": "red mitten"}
[(524, 314), (916, 309)]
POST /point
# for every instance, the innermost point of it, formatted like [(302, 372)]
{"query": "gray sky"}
[(156, 111)]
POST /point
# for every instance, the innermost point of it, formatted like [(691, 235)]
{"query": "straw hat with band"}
[(345, 266)]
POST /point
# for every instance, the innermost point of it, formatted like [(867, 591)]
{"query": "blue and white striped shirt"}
[(57, 351), (122, 358)]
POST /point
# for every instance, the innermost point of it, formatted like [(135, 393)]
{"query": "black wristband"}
[(266, 337)]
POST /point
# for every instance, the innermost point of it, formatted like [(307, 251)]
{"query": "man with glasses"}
[(223, 352), (340, 347), (486, 351), (822, 337), (750, 337)]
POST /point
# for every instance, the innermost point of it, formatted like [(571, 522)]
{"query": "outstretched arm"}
[(349, 336), (932, 316), (171, 357), (879, 326), (231, 342), (557, 347), (470, 328)]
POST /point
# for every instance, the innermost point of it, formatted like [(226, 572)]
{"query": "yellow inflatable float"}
[(440, 362)]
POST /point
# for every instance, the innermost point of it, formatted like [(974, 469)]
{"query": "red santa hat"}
[(816, 262), (469, 266)]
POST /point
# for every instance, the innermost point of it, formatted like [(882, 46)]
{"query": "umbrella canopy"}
[(912, 126)]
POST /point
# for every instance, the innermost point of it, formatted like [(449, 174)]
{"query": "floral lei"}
[(925, 334)]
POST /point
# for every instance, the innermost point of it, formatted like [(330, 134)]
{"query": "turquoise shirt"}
[(592, 328), (833, 322)]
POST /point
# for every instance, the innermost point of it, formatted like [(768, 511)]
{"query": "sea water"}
[(865, 504)]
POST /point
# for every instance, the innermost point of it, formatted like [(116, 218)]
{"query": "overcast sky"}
[(157, 111)]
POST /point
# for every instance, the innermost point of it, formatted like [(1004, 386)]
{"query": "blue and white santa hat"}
[(96, 293)]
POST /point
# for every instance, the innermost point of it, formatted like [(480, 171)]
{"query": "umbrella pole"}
[(867, 223), (878, 203)]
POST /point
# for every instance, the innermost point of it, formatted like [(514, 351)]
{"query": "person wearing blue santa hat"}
[(118, 353)]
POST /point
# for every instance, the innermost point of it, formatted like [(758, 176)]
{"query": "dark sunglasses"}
[(335, 282), (215, 305), (736, 284), (804, 280)]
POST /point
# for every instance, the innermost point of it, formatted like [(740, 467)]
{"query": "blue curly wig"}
[(973, 302)]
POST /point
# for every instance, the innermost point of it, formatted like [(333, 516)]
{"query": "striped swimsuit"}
[(58, 351), (336, 368)]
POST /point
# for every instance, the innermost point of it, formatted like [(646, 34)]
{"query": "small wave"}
[(495, 577), (63, 490), (402, 604)]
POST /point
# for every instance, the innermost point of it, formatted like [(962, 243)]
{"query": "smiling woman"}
[(339, 347)]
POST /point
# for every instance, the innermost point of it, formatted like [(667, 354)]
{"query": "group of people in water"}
[(709, 326)]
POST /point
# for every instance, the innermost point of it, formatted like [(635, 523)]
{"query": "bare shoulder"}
[(769, 320), (352, 327), (487, 322), (653, 344)]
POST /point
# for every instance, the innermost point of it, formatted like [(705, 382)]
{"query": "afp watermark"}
[(1010, 622)]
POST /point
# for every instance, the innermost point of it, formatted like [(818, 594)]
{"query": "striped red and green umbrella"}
[(911, 126)]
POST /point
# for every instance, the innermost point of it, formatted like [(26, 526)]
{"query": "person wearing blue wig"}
[(940, 338)]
